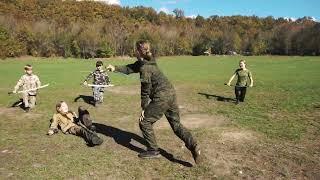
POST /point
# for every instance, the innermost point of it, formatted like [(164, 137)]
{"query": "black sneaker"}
[(237, 102), (196, 154), (96, 141), (27, 109), (149, 154), (92, 128)]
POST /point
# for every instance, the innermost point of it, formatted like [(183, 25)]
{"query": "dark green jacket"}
[(154, 85)]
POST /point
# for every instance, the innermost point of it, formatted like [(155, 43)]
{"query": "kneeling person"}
[(28, 81), (65, 119)]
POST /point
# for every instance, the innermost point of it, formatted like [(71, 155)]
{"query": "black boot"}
[(149, 154), (92, 128), (237, 102), (196, 154), (95, 140), (27, 109), (90, 137)]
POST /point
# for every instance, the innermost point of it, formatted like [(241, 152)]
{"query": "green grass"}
[(286, 86), (280, 107)]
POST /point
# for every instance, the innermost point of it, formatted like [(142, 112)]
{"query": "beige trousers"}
[(29, 100)]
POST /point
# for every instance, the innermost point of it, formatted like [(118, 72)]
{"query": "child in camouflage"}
[(28, 81), (100, 77)]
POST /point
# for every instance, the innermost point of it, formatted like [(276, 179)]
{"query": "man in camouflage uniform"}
[(100, 77), (157, 98), (28, 81), (66, 121)]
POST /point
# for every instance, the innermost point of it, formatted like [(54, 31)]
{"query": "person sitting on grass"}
[(243, 74), (100, 77), (66, 121)]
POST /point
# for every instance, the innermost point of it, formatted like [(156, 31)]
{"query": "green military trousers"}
[(154, 111)]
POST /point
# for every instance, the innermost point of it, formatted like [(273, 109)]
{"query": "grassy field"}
[(274, 134)]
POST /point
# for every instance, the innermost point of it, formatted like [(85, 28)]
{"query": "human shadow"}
[(87, 99), (218, 98), (124, 138), (19, 104)]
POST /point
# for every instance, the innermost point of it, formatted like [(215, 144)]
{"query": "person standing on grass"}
[(157, 98), (100, 77), (27, 82), (243, 74)]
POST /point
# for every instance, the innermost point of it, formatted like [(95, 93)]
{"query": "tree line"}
[(88, 29)]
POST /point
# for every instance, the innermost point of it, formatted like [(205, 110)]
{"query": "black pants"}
[(240, 93)]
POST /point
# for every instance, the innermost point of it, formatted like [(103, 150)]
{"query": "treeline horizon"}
[(87, 29)]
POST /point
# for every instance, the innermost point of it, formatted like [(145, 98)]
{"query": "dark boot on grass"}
[(90, 137), (196, 154)]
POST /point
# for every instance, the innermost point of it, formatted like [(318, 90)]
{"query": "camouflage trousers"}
[(98, 94), (154, 111), (89, 136), (29, 100)]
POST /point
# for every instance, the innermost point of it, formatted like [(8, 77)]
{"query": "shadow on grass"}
[(19, 104), (124, 138), (87, 99), (218, 98)]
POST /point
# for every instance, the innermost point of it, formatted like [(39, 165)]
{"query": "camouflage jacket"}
[(65, 122), (28, 82), (99, 77), (154, 85)]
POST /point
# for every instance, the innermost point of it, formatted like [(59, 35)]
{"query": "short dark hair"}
[(27, 67), (99, 63)]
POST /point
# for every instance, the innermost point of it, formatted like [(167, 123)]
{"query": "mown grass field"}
[(274, 134)]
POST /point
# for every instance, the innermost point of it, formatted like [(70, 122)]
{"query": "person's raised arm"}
[(127, 69), (85, 82)]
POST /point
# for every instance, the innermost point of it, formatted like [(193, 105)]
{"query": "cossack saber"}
[(33, 89)]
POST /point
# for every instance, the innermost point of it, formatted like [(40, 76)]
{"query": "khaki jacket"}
[(64, 121)]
